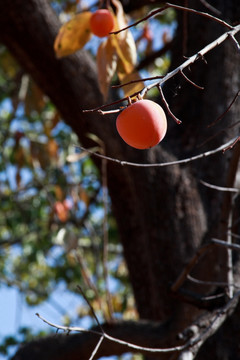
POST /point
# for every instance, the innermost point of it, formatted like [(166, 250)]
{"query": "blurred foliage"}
[(52, 213)]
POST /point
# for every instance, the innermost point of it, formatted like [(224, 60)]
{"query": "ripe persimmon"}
[(61, 211), (142, 124), (101, 22)]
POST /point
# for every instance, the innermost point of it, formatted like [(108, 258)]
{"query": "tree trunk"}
[(163, 214)]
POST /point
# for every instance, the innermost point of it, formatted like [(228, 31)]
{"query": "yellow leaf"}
[(131, 88), (106, 64), (73, 35), (124, 41), (120, 15)]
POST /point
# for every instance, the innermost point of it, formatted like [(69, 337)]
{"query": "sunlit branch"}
[(219, 188), (193, 58), (96, 347), (170, 163), (179, 69), (200, 336)]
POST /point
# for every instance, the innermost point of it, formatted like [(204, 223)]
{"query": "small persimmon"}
[(61, 211), (101, 22), (142, 124)]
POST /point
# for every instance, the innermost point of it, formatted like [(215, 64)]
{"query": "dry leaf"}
[(124, 41), (106, 64), (73, 35)]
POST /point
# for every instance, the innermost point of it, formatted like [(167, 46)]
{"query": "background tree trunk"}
[(163, 214)]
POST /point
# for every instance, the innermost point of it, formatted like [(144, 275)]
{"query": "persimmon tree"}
[(176, 205)]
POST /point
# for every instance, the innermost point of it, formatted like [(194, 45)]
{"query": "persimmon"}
[(101, 22), (142, 124), (61, 211)]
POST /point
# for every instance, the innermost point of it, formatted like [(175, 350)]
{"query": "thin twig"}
[(68, 329), (151, 14), (110, 104), (96, 347), (90, 307), (101, 112), (190, 81), (170, 163), (220, 188), (138, 80), (167, 106)]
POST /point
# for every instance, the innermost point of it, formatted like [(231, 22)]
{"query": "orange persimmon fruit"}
[(101, 22), (142, 124), (61, 211)]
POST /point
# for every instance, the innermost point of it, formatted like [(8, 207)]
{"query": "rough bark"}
[(162, 214)]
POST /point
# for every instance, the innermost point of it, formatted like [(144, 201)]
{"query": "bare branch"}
[(189, 61), (193, 58), (151, 14), (68, 329), (197, 12), (205, 327), (177, 7), (170, 163)]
